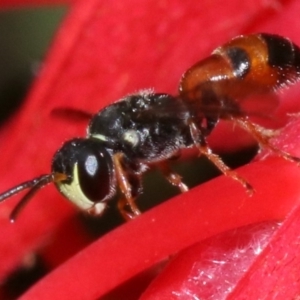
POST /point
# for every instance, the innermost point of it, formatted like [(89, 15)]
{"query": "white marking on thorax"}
[(99, 137), (132, 137)]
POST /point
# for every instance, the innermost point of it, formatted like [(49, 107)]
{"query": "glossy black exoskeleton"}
[(147, 129)]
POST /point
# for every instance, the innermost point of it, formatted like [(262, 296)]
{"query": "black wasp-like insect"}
[(147, 129)]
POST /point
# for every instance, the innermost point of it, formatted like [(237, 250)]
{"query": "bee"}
[(147, 129)]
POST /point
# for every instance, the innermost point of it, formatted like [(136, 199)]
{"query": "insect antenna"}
[(34, 185)]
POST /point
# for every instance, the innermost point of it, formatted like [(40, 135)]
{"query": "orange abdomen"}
[(246, 65)]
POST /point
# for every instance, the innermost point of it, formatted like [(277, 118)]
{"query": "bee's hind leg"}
[(202, 146), (263, 135)]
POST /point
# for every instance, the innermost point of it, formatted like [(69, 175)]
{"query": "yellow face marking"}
[(74, 193)]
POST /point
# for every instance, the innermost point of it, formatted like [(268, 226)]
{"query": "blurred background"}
[(25, 35)]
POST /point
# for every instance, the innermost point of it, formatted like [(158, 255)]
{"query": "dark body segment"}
[(282, 53), (145, 126), (239, 60)]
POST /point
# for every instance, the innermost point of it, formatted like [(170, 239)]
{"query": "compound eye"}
[(89, 170), (94, 175)]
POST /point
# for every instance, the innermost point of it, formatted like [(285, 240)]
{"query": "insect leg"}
[(201, 144), (263, 135), (128, 188), (172, 177)]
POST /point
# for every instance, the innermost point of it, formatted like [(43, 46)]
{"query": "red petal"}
[(102, 52)]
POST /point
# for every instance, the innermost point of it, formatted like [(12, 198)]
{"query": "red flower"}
[(103, 51)]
